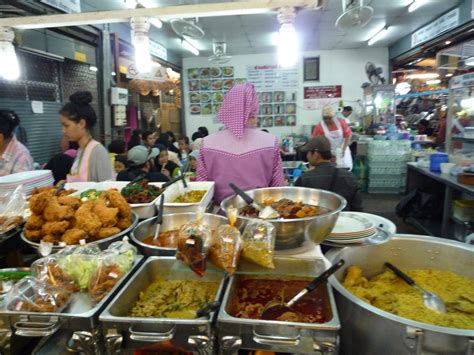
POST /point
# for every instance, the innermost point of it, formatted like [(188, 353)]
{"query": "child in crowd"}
[(184, 148), (120, 163), (116, 147), (164, 165)]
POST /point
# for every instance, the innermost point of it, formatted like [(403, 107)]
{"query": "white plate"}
[(372, 233), (349, 241), (349, 222), (24, 176)]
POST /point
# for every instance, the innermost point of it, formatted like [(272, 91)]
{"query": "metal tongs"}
[(264, 212)]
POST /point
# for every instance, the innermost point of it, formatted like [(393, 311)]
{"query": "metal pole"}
[(105, 71)]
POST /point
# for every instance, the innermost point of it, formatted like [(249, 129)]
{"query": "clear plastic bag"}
[(194, 241), (112, 265), (226, 250), (12, 209), (259, 243), (48, 271), (33, 295)]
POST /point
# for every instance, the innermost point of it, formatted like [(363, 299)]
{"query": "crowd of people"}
[(239, 153)]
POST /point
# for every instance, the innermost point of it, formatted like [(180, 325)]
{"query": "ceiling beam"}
[(164, 13)]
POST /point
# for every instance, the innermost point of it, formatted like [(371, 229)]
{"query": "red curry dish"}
[(287, 209)]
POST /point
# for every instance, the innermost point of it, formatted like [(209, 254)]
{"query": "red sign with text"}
[(322, 92)]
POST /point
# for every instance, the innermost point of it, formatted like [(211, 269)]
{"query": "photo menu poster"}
[(277, 90)]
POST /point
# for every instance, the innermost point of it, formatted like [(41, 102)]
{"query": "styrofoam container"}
[(177, 189), (143, 210), (446, 168)]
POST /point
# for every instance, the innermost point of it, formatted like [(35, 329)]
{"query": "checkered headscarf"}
[(240, 104)]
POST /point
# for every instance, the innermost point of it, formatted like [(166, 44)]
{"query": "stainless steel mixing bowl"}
[(291, 233), (170, 222)]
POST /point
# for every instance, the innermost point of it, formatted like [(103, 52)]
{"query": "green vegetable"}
[(81, 268), (91, 194)]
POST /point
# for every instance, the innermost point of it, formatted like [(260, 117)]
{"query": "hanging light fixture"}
[(288, 42), (141, 42), (9, 66)]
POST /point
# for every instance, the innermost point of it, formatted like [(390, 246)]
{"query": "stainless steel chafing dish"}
[(124, 332), (240, 333), (81, 316)]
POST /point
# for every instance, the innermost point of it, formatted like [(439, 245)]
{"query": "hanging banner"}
[(68, 6), (322, 92), (438, 26)]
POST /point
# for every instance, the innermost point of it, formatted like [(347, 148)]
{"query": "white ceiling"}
[(256, 33)]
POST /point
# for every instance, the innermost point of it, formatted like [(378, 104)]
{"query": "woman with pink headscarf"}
[(240, 154)]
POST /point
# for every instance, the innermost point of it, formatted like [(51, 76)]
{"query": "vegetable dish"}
[(254, 294), (174, 299), (194, 196), (141, 192), (389, 293)]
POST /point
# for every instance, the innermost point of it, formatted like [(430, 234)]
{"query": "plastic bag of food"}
[(259, 243), (49, 271), (126, 251), (12, 209), (80, 262), (227, 247), (194, 241), (33, 295)]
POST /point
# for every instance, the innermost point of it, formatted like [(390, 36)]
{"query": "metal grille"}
[(39, 80)]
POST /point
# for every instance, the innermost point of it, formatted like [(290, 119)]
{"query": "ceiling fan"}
[(219, 56), (355, 14), (374, 74), (187, 28)]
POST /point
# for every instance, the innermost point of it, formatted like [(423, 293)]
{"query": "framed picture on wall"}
[(311, 69)]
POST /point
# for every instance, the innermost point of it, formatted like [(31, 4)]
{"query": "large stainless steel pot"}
[(291, 233), (125, 332), (369, 330), (170, 222), (289, 337)]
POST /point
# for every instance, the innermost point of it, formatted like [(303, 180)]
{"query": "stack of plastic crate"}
[(388, 166)]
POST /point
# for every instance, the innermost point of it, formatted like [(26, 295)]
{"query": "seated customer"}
[(164, 165), (326, 176), (140, 161)]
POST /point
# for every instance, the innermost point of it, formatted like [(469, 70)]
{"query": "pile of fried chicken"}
[(64, 218)]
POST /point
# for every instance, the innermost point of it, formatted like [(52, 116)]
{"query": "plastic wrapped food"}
[(12, 209), (112, 265), (33, 295), (80, 263), (194, 241), (227, 247), (259, 243), (49, 271)]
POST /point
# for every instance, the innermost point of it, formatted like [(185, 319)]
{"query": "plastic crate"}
[(384, 182), (390, 164), (390, 158), (386, 190), (392, 147), (388, 169)]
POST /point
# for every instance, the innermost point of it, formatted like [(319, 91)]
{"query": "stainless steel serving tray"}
[(124, 332), (278, 336), (82, 314)]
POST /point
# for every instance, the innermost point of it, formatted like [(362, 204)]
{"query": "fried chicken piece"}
[(33, 235), (55, 227), (55, 212), (73, 236), (51, 238), (117, 200), (107, 215), (107, 232), (124, 223), (34, 222), (39, 201), (87, 220), (72, 201)]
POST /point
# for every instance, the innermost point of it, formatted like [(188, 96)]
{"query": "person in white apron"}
[(92, 162), (339, 143)]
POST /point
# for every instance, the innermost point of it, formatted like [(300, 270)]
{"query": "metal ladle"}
[(267, 212), (431, 300), (274, 309), (159, 218)]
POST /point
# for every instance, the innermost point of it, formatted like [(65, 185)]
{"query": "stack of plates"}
[(29, 179), (352, 228)]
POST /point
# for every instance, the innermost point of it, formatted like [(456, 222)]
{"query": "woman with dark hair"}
[(204, 131), (14, 156), (60, 165), (136, 139), (165, 140), (92, 162), (172, 137)]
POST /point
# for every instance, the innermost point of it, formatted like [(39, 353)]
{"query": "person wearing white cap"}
[(338, 133), (140, 160)]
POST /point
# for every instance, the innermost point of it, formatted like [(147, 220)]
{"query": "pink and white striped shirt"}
[(15, 159), (250, 162)]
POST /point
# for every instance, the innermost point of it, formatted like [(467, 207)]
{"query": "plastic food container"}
[(177, 189), (436, 160), (446, 168), (463, 210)]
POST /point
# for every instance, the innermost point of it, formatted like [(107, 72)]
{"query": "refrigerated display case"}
[(379, 105)]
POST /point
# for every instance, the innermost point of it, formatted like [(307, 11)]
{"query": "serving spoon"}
[(267, 212), (274, 309), (430, 300), (159, 218)]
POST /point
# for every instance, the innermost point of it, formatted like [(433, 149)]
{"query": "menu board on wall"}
[(277, 89)]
